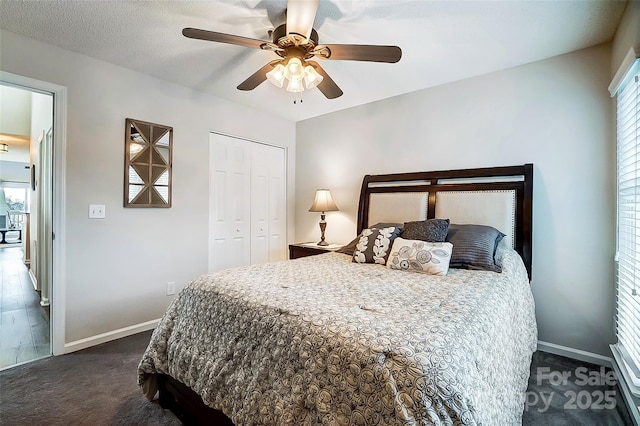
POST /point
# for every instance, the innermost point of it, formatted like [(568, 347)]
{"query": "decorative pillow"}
[(420, 256), (432, 230), (474, 247), (374, 244), (351, 247)]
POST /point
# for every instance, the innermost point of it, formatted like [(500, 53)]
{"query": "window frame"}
[(626, 352)]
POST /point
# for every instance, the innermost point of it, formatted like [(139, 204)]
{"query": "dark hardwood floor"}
[(24, 324)]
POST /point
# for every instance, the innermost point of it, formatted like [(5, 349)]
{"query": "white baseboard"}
[(34, 281), (630, 396), (630, 400), (578, 354), (87, 342), (632, 403)]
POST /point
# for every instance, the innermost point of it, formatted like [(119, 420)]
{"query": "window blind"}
[(628, 238)]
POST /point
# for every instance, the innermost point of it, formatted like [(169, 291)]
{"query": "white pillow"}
[(420, 256)]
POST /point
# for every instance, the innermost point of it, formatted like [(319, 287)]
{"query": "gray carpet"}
[(564, 391), (97, 386)]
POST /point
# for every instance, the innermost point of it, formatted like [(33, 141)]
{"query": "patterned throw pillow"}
[(420, 256), (351, 247), (432, 230), (374, 244), (474, 247)]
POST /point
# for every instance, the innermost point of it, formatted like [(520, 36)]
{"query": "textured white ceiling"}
[(441, 41)]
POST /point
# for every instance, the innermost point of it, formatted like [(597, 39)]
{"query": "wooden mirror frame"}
[(148, 153)]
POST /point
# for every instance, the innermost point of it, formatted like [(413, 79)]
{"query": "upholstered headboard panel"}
[(498, 196), (407, 206), (493, 208)]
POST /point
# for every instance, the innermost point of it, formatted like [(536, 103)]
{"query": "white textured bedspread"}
[(322, 340)]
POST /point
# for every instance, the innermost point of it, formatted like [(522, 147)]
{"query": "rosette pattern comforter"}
[(323, 340)]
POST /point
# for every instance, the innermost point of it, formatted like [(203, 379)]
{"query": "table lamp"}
[(323, 203)]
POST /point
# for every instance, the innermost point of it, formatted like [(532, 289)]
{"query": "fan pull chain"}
[(295, 100)]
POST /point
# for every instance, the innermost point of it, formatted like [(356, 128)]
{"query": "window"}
[(627, 350), (16, 199)]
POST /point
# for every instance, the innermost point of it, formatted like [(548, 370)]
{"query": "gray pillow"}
[(351, 247), (431, 230), (474, 247), (374, 244)]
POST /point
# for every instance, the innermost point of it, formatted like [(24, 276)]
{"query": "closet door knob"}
[(237, 229)]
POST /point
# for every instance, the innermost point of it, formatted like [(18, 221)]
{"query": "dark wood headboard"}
[(512, 179)]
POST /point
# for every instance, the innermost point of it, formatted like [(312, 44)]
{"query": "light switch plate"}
[(97, 211)]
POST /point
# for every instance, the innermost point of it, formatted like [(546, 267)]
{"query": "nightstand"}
[(310, 249)]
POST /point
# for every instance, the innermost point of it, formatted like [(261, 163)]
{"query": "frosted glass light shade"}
[(311, 77), (276, 75), (295, 86), (294, 69), (298, 74)]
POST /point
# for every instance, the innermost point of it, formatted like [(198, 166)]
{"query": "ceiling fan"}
[(296, 43)]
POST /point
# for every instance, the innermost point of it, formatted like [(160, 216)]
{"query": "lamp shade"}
[(276, 75), (295, 86), (323, 202), (294, 69), (311, 77)]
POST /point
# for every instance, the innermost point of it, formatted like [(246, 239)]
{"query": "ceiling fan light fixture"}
[(276, 75), (296, 43), (294, 70), (311, 77), (295, 86)]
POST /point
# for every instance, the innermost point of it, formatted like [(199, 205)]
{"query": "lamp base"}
[(323, 226)]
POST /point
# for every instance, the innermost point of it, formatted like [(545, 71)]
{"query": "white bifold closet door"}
[(247, 202), (268, 204)]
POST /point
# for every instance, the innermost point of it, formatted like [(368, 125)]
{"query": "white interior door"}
[(229, 202), (247, 220), (268, 203), (260, 203), (277, 204), (45, 215)]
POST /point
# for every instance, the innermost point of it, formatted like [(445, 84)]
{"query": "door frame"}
[(58, 253)]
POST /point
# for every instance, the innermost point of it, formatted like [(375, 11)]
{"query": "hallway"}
[(24, 324)]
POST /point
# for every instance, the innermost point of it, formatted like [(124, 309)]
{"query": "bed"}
[(326, 340)]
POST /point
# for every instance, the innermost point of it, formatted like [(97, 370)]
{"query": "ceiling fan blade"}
[(222, 38), (327, 86), (300, 16), (258, 77), (360, 52)]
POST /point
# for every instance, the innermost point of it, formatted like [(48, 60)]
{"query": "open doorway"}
[(26, 137)]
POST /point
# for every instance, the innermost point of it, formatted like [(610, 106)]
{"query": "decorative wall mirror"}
[(147, 164)]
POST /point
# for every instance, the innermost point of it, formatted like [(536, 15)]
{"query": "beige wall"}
[(553, 113), (117, 268)]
